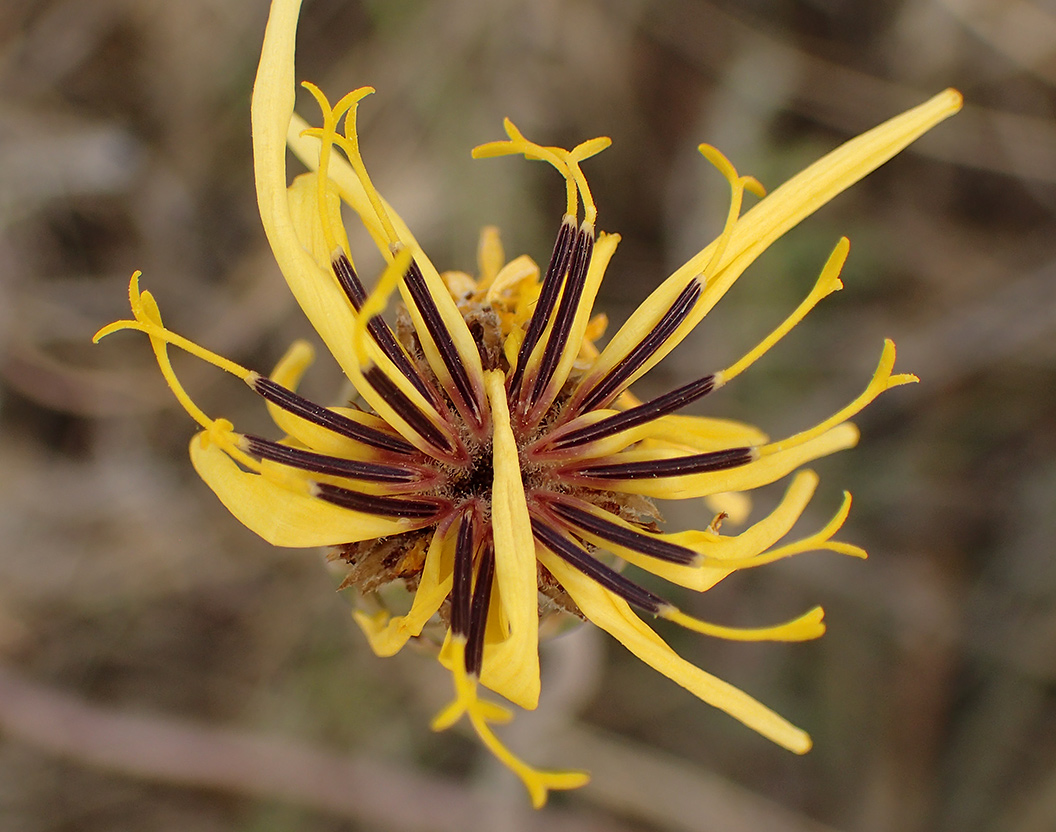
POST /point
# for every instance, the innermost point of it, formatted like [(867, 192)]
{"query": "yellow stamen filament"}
[(482, 712), (326, 135), (519, 145), (738, 185), (148, 321), (881, 381), (804, 628), (580, 153), (827, 283), (349, 143)]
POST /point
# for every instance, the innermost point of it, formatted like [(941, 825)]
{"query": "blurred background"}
[(163, 669)]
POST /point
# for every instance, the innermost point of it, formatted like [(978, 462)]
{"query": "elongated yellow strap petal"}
[(272, 106), (281, 513), (779, 212), (512, 667), (481, 712), (316, 290), (614, 616), (387, 635)]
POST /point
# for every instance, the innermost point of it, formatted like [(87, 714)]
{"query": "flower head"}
[(499, 466)]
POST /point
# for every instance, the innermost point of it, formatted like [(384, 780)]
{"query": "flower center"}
[(476, 479)]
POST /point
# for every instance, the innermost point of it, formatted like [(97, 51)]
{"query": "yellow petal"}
[(316, 291), (614, 616), (715, 548), (386, 634), (306, 215), (782, 210), (279, 514), (511, 667)]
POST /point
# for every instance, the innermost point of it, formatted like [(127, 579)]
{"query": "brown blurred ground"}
[(125, 587)]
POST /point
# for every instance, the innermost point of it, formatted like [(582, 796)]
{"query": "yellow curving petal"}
[(782, 210), (614, 616), (280, 514), (317, 223), (316, 290), (272, 107), (387, 635)]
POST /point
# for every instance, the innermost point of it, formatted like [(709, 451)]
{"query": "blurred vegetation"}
[(128, 593)]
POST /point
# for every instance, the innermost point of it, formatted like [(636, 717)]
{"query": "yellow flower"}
[(500, 468)]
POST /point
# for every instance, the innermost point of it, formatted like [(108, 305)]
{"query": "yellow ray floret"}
[(387, 634), (613, 615), (512, 667)]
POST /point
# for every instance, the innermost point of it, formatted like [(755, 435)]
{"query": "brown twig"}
[(182, 753)]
